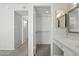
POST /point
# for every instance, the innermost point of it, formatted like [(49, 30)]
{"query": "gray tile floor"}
[(21, 51), (43, 50)]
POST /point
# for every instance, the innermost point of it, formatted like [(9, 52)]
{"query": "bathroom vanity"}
[(67, 47), (63, 45)]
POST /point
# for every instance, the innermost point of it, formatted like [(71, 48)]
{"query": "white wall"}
[(7, 25), (30, 30), (43, 25), (52, 26), (6, 28)]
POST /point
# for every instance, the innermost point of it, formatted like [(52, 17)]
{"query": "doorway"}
[(43, 30), (21, 33)]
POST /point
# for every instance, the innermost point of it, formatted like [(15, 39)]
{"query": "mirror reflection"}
[(74, 20)]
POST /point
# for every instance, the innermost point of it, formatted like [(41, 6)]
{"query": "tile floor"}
[(43, 50)]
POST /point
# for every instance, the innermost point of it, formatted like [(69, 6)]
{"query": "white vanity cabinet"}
[(63, 48), (68, 52), (57, 48), (58, 44), (57, 51)]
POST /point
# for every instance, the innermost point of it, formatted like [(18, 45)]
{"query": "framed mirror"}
[(73, 20), (62, 21)]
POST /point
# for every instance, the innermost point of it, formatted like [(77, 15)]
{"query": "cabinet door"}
[(68, 52), (60, 45), (57, 51)]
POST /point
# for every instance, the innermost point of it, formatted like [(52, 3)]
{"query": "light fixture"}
[(60, 14), (74, 3), (25, 22), (46, 12)]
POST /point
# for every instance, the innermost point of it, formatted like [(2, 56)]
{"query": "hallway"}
[(21, 51)]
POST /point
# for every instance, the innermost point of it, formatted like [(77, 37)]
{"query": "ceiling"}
[(43, 10)]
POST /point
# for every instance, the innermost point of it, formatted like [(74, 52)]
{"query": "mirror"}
[(61, 21), (73, 20)]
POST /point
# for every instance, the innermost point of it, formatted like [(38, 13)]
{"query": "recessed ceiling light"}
[(25, 22), (46, 12)]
